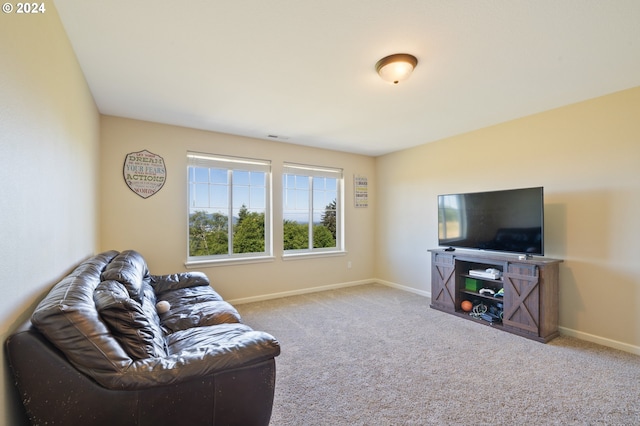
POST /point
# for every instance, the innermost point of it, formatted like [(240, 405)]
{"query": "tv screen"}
[(507, 221)]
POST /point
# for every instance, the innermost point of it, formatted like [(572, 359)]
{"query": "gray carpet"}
[(374, 355)]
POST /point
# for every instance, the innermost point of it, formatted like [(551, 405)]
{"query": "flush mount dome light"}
[(397, 67)]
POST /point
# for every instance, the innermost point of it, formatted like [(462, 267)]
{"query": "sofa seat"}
[(195, 307)]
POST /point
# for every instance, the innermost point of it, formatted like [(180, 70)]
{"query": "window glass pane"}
[(258, 200), (219, 197), (207, 234), (240, 177), (302, 182), (289, 181), (319, 199), (319, 183), (289, 199), (322, 237), (219, 176), (257, 179), (201, 195), (211, 191), (240, 196), (301, 200), (296, 231), (200, 174), (296, 216)]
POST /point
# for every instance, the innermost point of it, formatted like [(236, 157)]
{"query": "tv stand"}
[(524, 299)]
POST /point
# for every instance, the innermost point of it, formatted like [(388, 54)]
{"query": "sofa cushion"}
[(129, 268), (196, 307), (128, 321), (171, 282), (215, 336)]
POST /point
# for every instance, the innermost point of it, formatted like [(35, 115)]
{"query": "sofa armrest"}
[(170, 282)]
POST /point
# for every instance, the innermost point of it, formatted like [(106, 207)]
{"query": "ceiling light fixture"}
[(397, 67)]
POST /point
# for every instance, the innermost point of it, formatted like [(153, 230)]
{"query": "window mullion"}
[(310, 218), (230, 212)]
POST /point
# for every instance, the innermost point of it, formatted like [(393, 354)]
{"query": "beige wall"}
[(48, 181), (587, 157), (157, 226)]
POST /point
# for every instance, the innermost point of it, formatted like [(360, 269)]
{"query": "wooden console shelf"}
[(529, 306)]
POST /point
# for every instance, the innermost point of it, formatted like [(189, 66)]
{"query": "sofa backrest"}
[(130, 269), (68, 318), (126, 302)]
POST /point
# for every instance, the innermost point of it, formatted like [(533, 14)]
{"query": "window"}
[(312, 209), (229, 207)]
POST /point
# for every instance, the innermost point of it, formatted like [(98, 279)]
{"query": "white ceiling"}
[(303, 70)]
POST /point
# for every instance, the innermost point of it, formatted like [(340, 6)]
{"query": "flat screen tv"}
[(505, 221)]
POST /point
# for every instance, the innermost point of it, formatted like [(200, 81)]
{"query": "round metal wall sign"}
[(144, 172)]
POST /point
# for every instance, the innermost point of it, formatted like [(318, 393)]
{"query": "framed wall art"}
[(144, 172), (361, 191)]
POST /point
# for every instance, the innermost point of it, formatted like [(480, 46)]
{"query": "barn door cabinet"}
[(527, 305)]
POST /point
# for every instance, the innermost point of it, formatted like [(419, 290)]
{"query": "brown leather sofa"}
[(96, 351)]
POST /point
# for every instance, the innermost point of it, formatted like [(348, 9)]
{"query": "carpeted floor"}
[(375, 355)]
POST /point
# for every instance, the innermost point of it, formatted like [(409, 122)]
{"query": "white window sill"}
[(193, 264), (309, 255)]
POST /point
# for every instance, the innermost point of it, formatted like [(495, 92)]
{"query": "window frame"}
[(311, 172), (216, 161)]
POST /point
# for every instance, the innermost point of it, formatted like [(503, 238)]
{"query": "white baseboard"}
[(298, 292), (405, 288), (625, 347), (600, 340), (563, 330), (324, 288)]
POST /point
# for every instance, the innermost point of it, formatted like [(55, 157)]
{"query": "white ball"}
[(163, 306)]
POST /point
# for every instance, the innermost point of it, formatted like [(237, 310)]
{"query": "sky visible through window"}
[(212, 185), (297, 189)]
